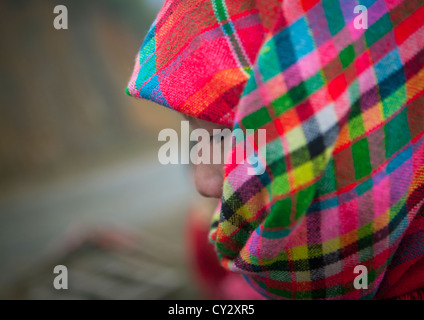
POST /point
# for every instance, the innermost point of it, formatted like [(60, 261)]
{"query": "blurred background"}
[(80, 184)]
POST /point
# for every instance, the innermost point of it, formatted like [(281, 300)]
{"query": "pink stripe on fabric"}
[(330, 224), (354, 32), (320, 99), (298, 235), (381, 197), (273, 89), (342, 39), (410, 47), (342, 105), (348, 216), (327, 52), (400, 180), (292, 11), (251, 103), (309, 65), (367, 80), (238, 176)]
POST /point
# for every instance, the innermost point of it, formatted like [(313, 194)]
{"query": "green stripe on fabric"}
[(347, 55), (397, 133), (268, 64), (377, 30), (394, 102), (238, 50), (364, 187), (300, 295), (356, 123), (277, 292), (298, 93), (280, 186), (250, 86), (304, 199), (229, 31), (327, 183), (256, 119), (315, 82), (334, 14), (361, 158), (223, 250), (335, 291), (366, 230), (282, 104), (220, 10)]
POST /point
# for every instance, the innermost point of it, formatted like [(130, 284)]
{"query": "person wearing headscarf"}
[(338, 86)]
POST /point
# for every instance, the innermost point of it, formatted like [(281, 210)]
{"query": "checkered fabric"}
[(198, 55), (343, 110)]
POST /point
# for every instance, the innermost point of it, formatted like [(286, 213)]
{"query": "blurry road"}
[(136, 193)]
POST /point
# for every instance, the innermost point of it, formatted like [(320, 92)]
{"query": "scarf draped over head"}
[(343, 110)]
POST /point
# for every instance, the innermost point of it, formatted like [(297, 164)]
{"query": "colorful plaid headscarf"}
[(343, 109)]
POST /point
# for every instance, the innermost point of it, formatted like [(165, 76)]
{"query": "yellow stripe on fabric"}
[(257, 202), (415, 85), (373, 117), (304, 174), (245, 213), (227, 228), (300, 252), (212, 90), (343, 138), (348, 238), (330, 246), (381, 221)]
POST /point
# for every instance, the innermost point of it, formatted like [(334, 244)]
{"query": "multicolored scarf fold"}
[(343, 109)]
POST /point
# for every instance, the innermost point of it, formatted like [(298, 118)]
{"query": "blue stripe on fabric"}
[(301, 38)]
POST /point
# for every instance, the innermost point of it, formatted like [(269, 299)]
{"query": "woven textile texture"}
[(343, 109)]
